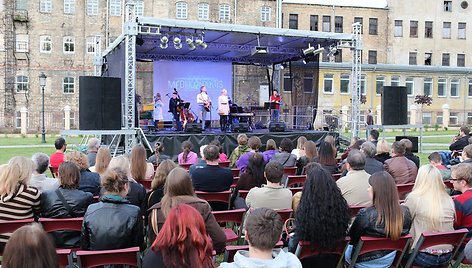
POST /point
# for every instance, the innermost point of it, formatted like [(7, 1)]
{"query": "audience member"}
[(467, 154), (436, 160), (386, 218), (299, 151), (30, 246), (432, 210), (212, 177), (178, 189), (383, 151), (322, 217), (57, 157), (241, 149), (311, 155), (201, 162), (332, 141), (401, 168), (270, 151), (140, 169), (102, 161), (326, 158), (356, 143), (158, 155), (187, 156), (66, 202), (263, 231), (223, 157), (461, 140), (17, 200), (89, 181), (374, 136), (285, 156), (92, 148), (371, 164), (182, 242), (252, 177), (254, 144), (39, 179), (353, 186), (271, 195), (409, 154), (113, 222), (462, 181), (468, 251)]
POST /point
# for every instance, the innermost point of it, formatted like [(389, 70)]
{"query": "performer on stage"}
[(157, 113), (275, 98), (223, 109), (174, 104), (204, 102)]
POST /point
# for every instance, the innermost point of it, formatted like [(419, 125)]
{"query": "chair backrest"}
[(243, 193), (304, 250), (295, 190), (9, 226), (285, 213), (290, 171), (64, 224), (54, 171), (89, 258), (235, 181), (146, 184), (336, 176), (185, 166), (224, 164), (368, 244), (355, 210), (215, 196), (429, 239), (404, 189), (225, 216), (64, 256), (235, 172), (295, 179)]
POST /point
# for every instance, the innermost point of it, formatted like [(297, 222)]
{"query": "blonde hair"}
[(301, 142), (120, 162), (18, 171), (138, 162), (383, 146), (429, 188), (103, 160), (162, 171), (78, 158)]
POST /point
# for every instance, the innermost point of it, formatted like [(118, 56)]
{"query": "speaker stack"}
[(394, 105), (240, 127), (277, 127), (193, 128)]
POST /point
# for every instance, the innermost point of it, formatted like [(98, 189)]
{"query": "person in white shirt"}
[(223, 109), (39, 179), (204, 102)]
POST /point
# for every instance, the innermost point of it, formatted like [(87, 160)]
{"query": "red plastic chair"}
[(64, 256), (235, 181), (294, 180), (285, 213), (296, 190), (185, 166), (223, 197), (304, 250), (355, 210), (243, 193), (89, 258), (234, 216), (336, 176), (54, 171), (224, 164), (429, 239), (65, 224), (9, 226), (448, 184), (404, 189), (289, 171), (368, 244), (235, 172), (146, 184)]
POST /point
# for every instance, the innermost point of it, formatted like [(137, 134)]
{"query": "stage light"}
[(201, 43), (164, 41), (177, 43), (311, 50), (283, 66), (190, 43)]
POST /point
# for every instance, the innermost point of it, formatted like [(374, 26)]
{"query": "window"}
[(90, 45), (265, 13), (439, 118), (21, 83), (45, 6), (313, 22), (293, 21), (338, 24), (446, 30), (18, 119), (412, 58), (428, 58), (470, 88), (139, 8), (287, 83), (224, 12), (338, 56), (21, 43), (413, 28), (455, 83), (326, 24), (426, 118), (344, 81), (379, 84), (68, 84), (410, 86), (92, 7), (373, 26), (181, 10), (395, 81), (442, 87), (308, 83), (45, 44), (428, 29), (398, 32), (454, 118), (360, 20), (460, 60), (461, 30), (372, 57), (203, 11), (69, 44), (115, 7), (328, 84), (445, 59), (469, 118), (448, 6), (428, 86), (325, 57), (363, 84), (69, 6)]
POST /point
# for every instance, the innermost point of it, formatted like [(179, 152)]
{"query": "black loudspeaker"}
[(394, 106), (277, 127), (413, 139), (99, 103), (193, 128), (240, 127)]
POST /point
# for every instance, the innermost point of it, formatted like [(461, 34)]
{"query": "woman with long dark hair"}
[(386, 218), (182, 242), (252, 177), (326, 158), (322, 217)]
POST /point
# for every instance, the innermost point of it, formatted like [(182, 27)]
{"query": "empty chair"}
[(304, 250), (290, 171), (235, 216), (295, 180), (94, 258)]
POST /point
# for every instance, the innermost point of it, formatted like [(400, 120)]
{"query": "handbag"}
[(66, 205), (288, 231)]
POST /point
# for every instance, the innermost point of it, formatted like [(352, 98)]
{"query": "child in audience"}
[(187, 156), (270, 151), (240, 150)]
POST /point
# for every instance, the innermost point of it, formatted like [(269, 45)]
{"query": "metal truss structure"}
[(356, 79), (97, 57)]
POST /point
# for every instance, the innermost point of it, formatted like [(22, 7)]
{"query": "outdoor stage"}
[(173, 140)]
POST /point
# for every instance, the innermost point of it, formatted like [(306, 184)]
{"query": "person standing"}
[(174, 103), (223, 109), (204, 102), (369, 118), (157, 113), (275, 98)]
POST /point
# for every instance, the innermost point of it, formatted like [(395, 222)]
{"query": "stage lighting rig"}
[(177, 43), (311, 50), (164, 41), (190, 43)]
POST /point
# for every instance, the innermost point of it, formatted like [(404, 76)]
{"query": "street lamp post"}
[(42, 84)]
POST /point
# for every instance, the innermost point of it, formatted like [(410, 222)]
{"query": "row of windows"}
[(224, 11), (445, 59), (68, 84), (92, 7), (45, 44), (428, 29), (326, 25)]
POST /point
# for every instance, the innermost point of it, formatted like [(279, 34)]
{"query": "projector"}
[(259, 51)]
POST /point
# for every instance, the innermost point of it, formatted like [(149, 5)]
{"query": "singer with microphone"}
[(157, 113), (174, 103), (275, 105)]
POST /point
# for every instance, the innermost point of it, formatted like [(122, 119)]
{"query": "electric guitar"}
[(207, 105)]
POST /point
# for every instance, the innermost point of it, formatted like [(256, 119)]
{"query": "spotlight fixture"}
[(190, 43), (333, 51), (201, 43), (164, 41), (177, 43), (311, 50), (283, 66)]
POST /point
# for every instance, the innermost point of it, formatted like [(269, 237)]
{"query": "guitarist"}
[(204, 102), (174, 104)]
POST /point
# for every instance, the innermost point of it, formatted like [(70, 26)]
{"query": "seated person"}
[(467, 154), (409, 154), (285, 156), (89, 181), (436, 160), (252, 177), (254, 143), (263, 231), (39, 179), (158, 155), (241, 149), (270, 151), (58, 156), (187, 156), (371, 164), (201, 162), (353, 186), (92, 148), (402, 169), (461, 140), (462, 182), (326, 157)]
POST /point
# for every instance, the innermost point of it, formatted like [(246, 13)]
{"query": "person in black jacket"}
[(89, 181), (112, 223), (66, 202), (461, 140)]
